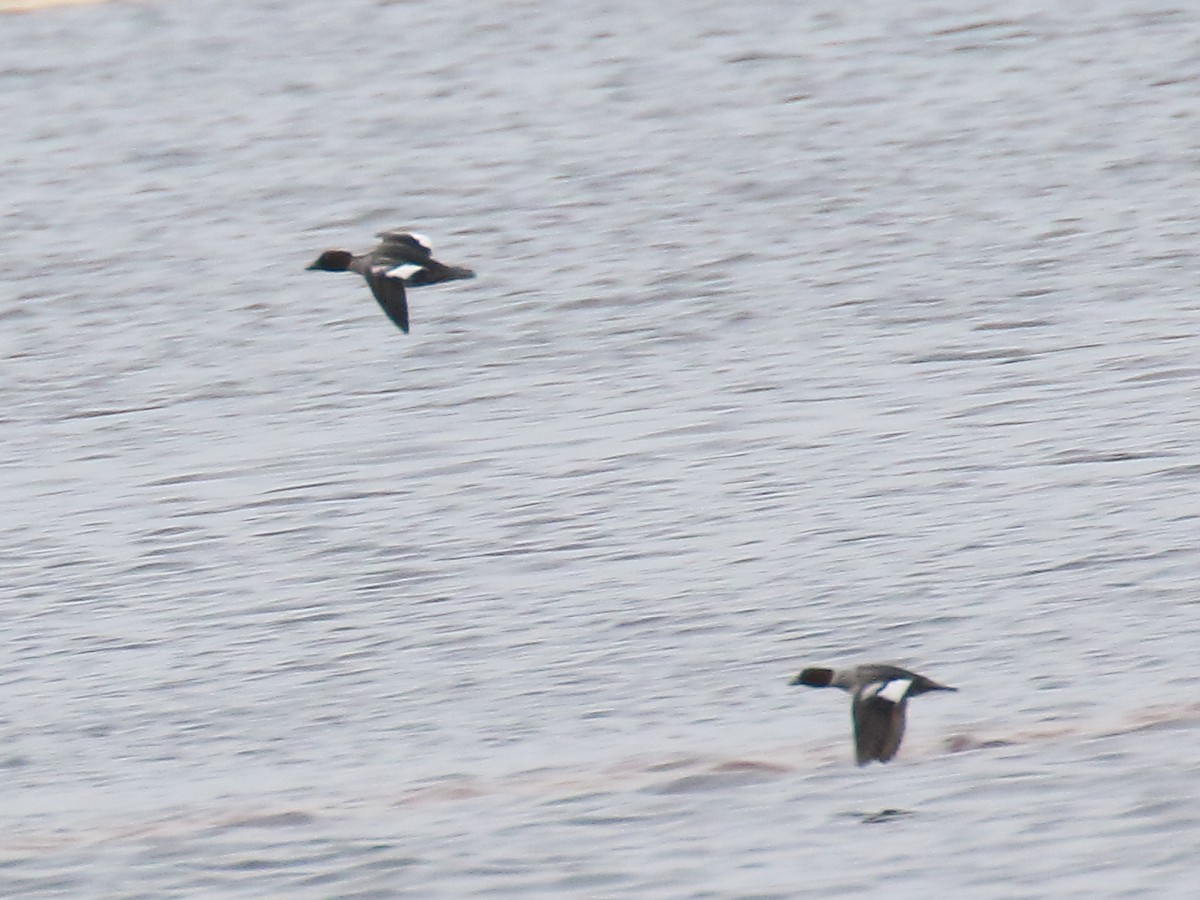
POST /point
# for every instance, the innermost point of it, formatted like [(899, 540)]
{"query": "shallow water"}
[(801, 335)]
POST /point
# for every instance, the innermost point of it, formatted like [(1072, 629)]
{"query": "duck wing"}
[(404, 246), (879, 719), (389, 291)]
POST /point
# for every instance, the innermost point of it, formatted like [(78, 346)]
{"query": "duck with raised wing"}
[(402, 260), (879, 698)]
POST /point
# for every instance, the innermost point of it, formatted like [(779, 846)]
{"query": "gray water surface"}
[(803, 333)]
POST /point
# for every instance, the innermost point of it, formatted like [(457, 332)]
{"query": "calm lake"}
[(804, 334)]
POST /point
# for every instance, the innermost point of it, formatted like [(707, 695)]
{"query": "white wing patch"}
[(895, 690), (422, 240), (404, 270)]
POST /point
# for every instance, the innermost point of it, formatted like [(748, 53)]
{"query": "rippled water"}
[(804, 333)]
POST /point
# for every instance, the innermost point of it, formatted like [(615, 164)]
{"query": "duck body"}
[(403, 259), (879, 701)]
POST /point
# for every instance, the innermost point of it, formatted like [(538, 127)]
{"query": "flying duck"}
[(880, 695), (402, 259)]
